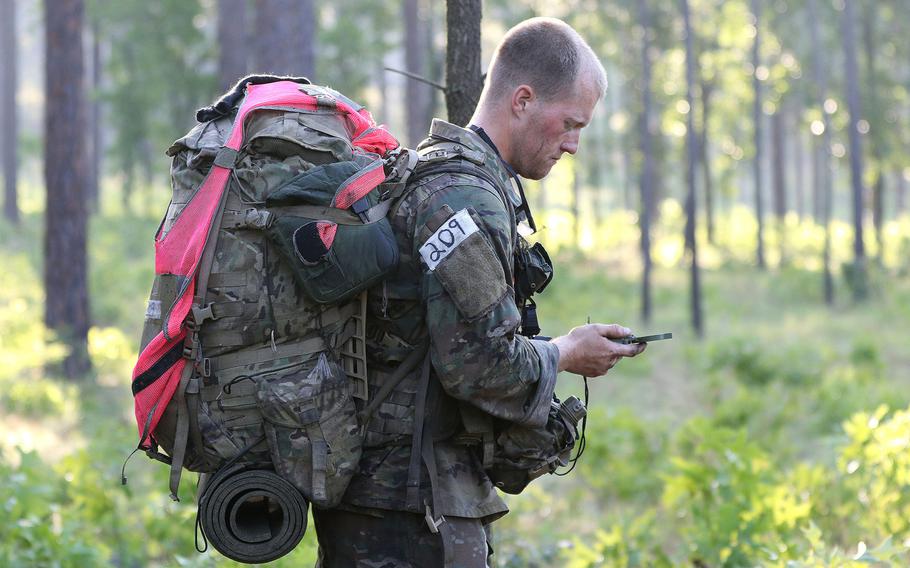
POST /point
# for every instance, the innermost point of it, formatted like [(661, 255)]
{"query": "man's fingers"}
[(612, 331), (630, 350)]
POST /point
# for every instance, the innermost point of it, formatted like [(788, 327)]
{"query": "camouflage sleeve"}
[(463, 240)]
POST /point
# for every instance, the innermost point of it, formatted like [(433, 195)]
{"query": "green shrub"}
[(729, 501), (623, 456), (875, 464)]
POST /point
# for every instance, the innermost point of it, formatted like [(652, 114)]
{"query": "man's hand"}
[(587, 349)]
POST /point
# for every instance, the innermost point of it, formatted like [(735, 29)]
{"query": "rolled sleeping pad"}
[(252, 515)]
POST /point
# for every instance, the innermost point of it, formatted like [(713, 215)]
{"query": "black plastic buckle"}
[(202, 314)]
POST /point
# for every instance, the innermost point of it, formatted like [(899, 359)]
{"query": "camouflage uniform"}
[(465, 305)]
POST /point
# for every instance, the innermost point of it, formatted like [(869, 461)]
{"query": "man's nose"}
[(570, 143), (569, 146)]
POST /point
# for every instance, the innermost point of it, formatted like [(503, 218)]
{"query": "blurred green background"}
[(774, 433)]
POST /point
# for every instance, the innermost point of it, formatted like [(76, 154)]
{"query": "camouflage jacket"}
[(454, 285)]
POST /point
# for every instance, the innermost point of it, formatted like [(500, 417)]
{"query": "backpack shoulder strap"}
[(187, 394)]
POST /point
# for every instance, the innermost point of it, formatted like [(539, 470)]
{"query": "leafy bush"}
[(875, 465)]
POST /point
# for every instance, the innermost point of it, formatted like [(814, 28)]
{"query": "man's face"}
[(548, 129)]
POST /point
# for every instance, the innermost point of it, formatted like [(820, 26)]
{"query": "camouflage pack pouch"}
[(310, 422), (333, 253), (522, 454), (358, 257)]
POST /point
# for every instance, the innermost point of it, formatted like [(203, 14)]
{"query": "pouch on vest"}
[(523, 454), (310, 423)]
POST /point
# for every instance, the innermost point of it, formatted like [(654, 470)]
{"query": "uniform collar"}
[(523, 208), (475, 138)]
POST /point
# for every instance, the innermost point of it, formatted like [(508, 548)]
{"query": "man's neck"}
[(496, 131)]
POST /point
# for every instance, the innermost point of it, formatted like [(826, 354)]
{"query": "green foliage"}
[(37, 528), (876, 464), (37, 398), (353, 39), (629, 545), (623, 457), (158, 73), (728, 499)]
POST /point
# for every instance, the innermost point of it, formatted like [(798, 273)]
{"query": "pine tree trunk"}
[(65, 266), (878, 184), (436, 59), (628, 182), (268, 45), (780, 181), (647, 174), (859, 281), (691, 164), (799, 158), (94, 116), (816, 180), (757, 121), (901, 198), (823, 153), (303, 39), (779, 153), (464, 80), (8, 119), (416, 95), (232, 42), (285, 37), (706, 91)]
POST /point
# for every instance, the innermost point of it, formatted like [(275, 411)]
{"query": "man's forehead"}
[(579, 106)]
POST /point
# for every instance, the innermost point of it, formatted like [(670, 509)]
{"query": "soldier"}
[(429, 503)]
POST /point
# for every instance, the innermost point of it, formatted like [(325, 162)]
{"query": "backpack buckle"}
[(205, 369), (432, 523), (202, 314), (191, 348)]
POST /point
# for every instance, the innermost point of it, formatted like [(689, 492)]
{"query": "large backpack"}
[(253, 346)]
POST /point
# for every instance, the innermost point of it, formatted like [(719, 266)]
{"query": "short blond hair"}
[(548, 55)]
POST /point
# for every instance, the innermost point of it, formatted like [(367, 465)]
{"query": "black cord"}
[(199, 531), (226, 389), (582, 440)]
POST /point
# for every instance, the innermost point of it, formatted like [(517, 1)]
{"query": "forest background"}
[(743, 185)]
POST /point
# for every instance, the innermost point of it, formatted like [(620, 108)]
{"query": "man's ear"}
[(522, 96)]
